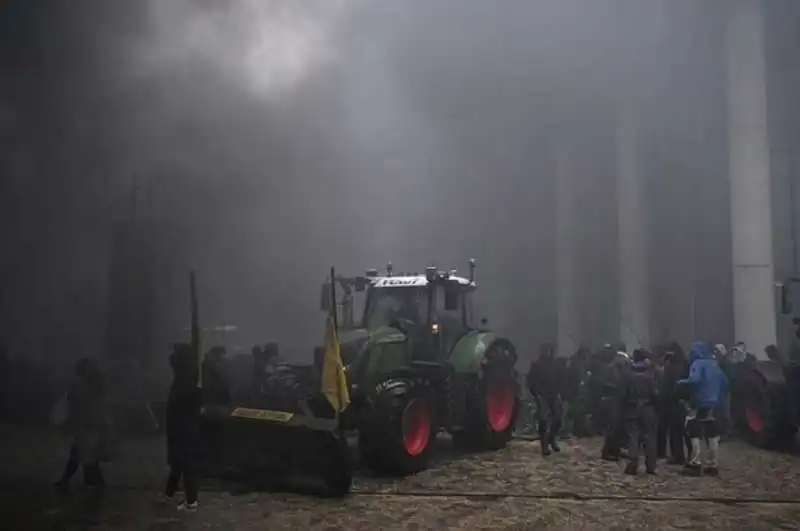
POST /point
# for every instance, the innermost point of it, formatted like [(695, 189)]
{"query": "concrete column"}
[(566, 253), (751, 208), (631, 232)]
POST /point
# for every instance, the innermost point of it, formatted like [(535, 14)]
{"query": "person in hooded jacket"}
[(707, 385), (638, 399), (544, 382), (183, 426)]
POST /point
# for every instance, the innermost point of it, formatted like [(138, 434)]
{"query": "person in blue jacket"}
[(707, 387)]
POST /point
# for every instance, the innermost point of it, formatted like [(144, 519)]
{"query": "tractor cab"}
[(428, 313), (433, 310)]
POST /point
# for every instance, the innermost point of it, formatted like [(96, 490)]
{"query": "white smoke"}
[(269, 46)]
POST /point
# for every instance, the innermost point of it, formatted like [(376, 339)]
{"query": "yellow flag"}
[(334, 381)]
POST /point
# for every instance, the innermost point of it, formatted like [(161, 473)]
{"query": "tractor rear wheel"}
[(491, 411), (399, 435)]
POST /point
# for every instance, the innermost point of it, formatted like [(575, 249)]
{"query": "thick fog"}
[(280, 137)]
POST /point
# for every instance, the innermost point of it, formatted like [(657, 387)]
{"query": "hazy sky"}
[(285, 136)]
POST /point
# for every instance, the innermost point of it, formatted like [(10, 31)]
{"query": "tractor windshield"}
[(387, 304)]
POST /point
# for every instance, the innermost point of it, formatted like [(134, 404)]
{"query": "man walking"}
[(615, 437), (638, 397), (544, 382), (707, 385)]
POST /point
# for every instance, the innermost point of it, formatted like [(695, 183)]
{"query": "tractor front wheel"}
[(398, 436), (491, 411)]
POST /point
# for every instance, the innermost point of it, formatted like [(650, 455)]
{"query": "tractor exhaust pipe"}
[(471, 270)]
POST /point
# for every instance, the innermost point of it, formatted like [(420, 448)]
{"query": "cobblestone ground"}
[(511, 489)]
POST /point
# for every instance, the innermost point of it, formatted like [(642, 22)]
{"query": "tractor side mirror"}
[(786, 302), (452, 295), (325, 302)]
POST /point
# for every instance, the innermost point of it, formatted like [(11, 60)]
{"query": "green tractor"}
[(417, 365)]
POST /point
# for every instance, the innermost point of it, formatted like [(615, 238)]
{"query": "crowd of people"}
[(86, 414), (664, 403)]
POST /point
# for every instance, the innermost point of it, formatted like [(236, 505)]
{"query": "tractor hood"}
[(386, 334), (356, 352), (354, 342), (350, 342)]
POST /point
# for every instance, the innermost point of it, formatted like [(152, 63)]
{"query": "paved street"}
[(512, 489)]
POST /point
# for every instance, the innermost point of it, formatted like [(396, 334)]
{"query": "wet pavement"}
[(511, 489)]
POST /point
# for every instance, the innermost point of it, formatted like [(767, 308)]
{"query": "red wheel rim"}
[(416, 427), (499, 405), (754, 419)]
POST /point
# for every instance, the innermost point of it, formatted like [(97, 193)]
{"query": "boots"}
[(632, 468), (694, 452), (554, 445), (693, 465), (544, 442), (609, 455), (610, 451)]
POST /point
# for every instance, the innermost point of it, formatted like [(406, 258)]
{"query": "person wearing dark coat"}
[(597, 388), (87, 422), (638, 400), (672, 406), (613, 372), (659, 364), (574, 393), (183, 426), (544, 383)]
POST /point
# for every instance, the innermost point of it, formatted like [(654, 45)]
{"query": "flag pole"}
[(333, 301), (335, 332)]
